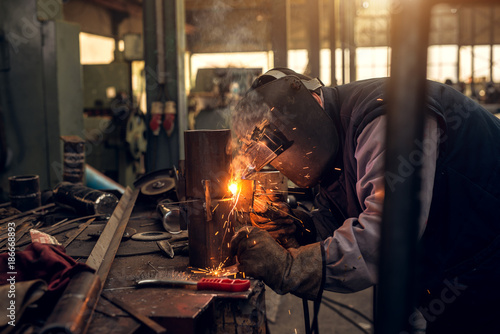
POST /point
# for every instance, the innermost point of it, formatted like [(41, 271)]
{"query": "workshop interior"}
[(122, 177)]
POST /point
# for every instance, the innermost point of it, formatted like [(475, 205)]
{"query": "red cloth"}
[(47, 262)]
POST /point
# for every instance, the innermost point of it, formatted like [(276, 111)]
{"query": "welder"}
[(333, 138)]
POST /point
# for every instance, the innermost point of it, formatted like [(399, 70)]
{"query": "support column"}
[(314, 38), (165, 78), (332, 17), (279, 31)]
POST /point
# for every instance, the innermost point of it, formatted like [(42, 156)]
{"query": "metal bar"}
[(405, 119), (208, 200), (116, 224), (109, 256), (74, 310), (30, 212), (153, 325), (78, 232)]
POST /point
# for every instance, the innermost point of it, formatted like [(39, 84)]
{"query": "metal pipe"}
[(351, 43), (314, 39), (333, 43), (342, 37), (405, 119), (279, 32), (210, 226), (74, 309), (160, 43)]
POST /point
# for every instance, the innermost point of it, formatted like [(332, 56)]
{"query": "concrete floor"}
[(285, 313)]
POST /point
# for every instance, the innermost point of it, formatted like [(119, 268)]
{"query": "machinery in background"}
[(115, 129), (216, 92)]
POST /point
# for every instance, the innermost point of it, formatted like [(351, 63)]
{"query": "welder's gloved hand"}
[(290, 228), (295, 270)]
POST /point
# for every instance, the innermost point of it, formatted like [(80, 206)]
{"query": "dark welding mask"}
[(281, 123)]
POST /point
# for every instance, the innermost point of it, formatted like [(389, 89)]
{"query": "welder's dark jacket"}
[(462, 235)]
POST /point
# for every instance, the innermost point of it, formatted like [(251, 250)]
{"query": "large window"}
[(442, 63), (241, 60), (96, 49), (480, 68), (372, 62)]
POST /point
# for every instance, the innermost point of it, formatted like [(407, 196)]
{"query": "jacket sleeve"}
[(351, 248)]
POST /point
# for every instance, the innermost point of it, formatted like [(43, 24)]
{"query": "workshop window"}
[(96, 49), (496, 63), (442, 63), (475, 62), (372, 62), (226, 60)]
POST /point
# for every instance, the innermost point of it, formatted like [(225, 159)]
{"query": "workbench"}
[(178, 310)]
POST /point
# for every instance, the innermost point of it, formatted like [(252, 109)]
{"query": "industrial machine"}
[(215, 94)]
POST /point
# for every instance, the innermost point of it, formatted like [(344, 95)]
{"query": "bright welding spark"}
[(233, 188)]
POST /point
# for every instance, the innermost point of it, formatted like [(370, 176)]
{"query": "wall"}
[(40, 87)]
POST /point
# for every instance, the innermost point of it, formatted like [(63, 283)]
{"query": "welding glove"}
[(290, 228), (299, 271)]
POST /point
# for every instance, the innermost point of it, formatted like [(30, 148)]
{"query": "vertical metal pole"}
[(166, 80), (459, 42), (352, 45), (182, 109), (472, 43), (342, 30), (405, 119), (152, 84), (333, 41), (314, 38), (492, 39), (279, 32)]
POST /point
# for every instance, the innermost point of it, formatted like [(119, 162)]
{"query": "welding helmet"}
[(281, 123)]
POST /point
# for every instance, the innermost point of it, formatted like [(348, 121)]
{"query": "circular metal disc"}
[(158, 186)]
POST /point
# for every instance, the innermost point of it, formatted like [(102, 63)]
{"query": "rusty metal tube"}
[(74, 309), (207, 174)]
